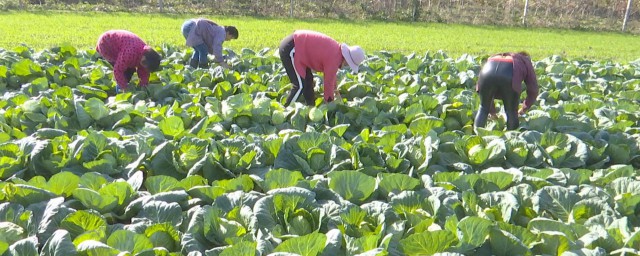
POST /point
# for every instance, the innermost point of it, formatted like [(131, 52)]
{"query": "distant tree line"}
[(575, 14)]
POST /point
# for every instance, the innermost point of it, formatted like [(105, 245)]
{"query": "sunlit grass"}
[(43, 30)]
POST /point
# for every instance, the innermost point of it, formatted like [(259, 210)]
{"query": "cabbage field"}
[(210, 162)]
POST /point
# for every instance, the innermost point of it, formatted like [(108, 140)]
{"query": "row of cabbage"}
[(210, 162)]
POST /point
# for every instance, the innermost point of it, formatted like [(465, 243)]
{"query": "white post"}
[(524, 14), (626, 16)]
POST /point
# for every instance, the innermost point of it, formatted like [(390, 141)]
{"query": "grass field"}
[(209, 161), (42, 30)]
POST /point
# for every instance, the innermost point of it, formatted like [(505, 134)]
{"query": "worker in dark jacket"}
[(501, 78)]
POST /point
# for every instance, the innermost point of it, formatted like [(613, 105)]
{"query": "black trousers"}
[(494, 81), (301, 85)]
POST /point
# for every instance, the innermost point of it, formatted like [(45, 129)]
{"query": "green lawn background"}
[(46, 29)]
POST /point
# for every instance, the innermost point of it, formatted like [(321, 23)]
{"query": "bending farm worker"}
[(501, 78), (305, 51), (128, 54), (206, 37)]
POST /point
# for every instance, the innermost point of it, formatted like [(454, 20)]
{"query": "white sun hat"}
[(354, 55)]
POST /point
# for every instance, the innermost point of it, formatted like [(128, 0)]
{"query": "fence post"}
[(626, 16), (416, 9), (161, 5), (291, 9), (524, 14)]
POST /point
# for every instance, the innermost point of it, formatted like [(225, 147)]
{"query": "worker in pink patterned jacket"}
[(501, 78), (305, 51), (128, 54)]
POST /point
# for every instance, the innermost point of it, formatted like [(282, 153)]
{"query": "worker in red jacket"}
[(305, 51), (501, 78), (128, 54)]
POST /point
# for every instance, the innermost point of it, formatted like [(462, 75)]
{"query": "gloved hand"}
[(224, 65), (522, 111), (338, 96)]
